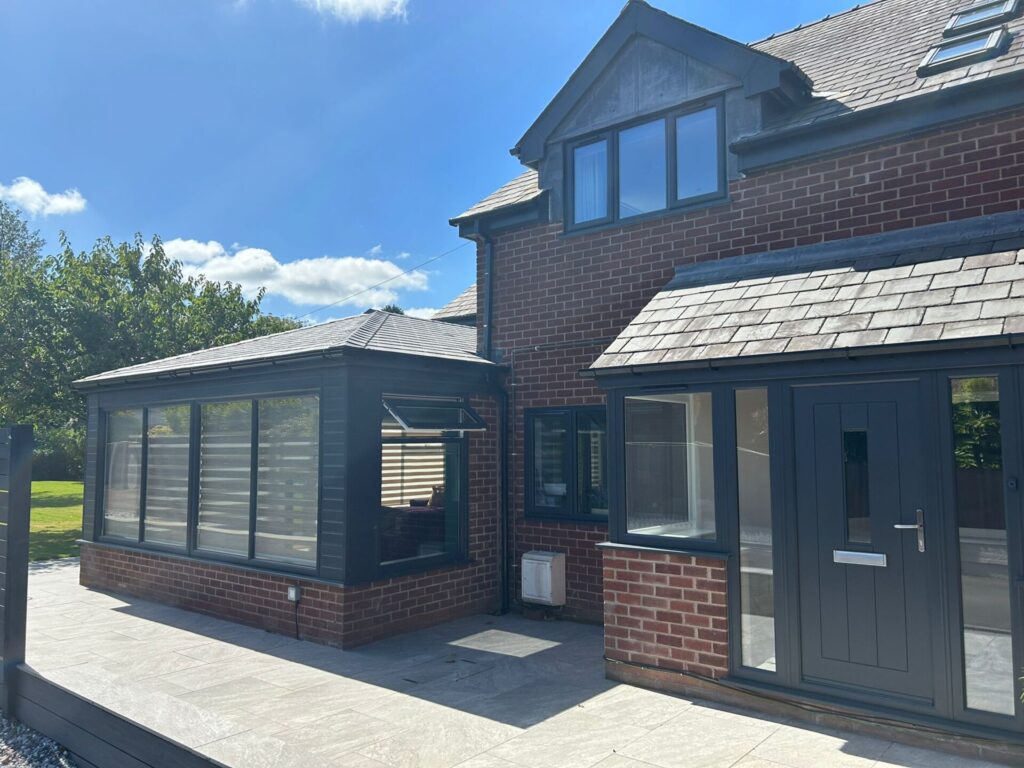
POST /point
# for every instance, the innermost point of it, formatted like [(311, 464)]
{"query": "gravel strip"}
[(21, 747)]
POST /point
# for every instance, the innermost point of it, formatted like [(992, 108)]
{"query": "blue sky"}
[(314, 146)]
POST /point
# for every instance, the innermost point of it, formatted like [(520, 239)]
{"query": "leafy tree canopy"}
[(73, 314)]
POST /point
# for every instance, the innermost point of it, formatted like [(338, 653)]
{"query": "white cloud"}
[(29, 195), (422, 312), (359, 10), (323, 280)]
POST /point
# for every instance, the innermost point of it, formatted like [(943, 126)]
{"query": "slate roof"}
[(461, 307), (857, 59), (868, 56), (828, 309), (374, 331), (522, 189)]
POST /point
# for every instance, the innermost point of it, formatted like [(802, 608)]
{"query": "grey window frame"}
[(190, 549), (1009, 9), (672, 204), (461, 553), (725, 526), (996, 42), (570, 464)]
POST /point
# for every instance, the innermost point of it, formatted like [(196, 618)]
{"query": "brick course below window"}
[(666, 610), (328, 613)]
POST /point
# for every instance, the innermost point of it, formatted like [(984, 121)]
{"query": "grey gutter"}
[(902, 118), (981, 234), (88, 384)]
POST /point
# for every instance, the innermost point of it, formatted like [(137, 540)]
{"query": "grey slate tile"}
[(861, 338), (914, 333), (982, 292), (846, 323), (953, 313), (971, 329)]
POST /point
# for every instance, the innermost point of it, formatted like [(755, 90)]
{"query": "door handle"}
[(918, 526)]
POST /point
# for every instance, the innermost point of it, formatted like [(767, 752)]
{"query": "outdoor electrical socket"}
[(294, 593)]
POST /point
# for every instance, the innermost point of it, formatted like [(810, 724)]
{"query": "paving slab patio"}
[(482, 692)]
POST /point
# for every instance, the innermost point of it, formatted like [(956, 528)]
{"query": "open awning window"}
[(433, 415)]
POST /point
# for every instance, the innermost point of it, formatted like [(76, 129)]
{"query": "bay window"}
[(677, 160)]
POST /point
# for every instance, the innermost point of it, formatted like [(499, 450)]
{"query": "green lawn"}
[(56, 519)]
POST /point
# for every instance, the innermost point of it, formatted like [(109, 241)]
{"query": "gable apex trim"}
[(759, 72)]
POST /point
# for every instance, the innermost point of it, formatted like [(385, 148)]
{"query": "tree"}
[(73, 314), (393, 309)]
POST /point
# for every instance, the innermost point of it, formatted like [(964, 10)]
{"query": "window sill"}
[(711, 554), (420, 566), (554, 517), (196, 557)]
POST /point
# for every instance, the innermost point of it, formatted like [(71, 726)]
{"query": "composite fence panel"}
[(95, 736)]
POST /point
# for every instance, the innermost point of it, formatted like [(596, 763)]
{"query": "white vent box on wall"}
[(544, 578)]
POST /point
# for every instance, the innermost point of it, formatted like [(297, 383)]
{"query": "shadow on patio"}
[(482, 692)]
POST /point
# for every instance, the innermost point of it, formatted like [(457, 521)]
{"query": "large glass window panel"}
[(642, 169), (225, 469), (122, 482), (167, 468), (287, 480), (550, 462), (591, 463), (669, 474), (984, 565), (590, 182), (753, 475), (421, 494), (698, 154)]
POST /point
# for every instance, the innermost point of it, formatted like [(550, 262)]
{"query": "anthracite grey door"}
[(864, 610)]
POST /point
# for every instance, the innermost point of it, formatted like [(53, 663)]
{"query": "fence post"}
[(15, 508)]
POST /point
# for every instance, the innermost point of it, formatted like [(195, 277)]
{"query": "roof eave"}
[(1012, 340)]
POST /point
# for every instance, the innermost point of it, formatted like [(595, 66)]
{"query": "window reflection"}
[(984, 569), (753, 474)]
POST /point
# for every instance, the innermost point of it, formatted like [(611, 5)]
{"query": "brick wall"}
[(328, 613), (579, 291), (666, 611)]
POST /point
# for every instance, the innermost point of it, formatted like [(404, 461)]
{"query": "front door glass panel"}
[(855, 481), (981, 527)]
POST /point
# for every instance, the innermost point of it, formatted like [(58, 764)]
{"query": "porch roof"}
[(897, 300)]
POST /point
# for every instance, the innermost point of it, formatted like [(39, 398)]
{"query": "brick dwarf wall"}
[(329, 613), (579, 291), (666, 610)]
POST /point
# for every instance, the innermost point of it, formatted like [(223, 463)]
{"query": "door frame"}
[(1011, 417), (933, 569)]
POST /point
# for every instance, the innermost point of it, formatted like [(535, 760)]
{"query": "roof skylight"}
[(980, 15), (960, 51)]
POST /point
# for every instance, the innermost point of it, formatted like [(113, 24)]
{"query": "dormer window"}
[(674, 161), (979, 15), (964, 50)]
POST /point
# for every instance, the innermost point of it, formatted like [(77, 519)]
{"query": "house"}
[(746, 351)]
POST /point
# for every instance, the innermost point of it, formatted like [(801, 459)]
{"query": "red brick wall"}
[(666, 611), (579, 291), (328, 613)]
